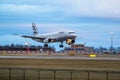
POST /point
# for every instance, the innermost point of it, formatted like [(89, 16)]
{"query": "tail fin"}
[(35, 30)]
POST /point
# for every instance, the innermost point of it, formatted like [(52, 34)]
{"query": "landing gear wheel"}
[(69, 43), (73, 41), (61, 46), (45, 45)]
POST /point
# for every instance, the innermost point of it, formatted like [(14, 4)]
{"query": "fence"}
[(56, 74)]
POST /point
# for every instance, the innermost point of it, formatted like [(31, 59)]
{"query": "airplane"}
[(61, 36)]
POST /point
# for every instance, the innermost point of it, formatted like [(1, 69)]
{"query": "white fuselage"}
[(68, 36), (56, 37)]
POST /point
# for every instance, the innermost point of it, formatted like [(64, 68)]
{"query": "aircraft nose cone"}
[(75, 35)]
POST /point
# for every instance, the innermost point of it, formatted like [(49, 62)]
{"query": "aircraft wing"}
[(39, 39), (33, 37)]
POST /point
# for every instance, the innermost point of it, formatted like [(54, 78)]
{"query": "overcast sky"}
[(92, 20)]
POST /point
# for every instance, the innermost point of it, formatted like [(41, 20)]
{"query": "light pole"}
[(111, 47)]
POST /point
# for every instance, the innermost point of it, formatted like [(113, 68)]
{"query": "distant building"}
[(118, 50), (79, 48), (89, 49), (47, 49), (26, 48)]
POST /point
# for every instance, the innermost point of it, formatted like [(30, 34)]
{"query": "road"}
[(62, 57)]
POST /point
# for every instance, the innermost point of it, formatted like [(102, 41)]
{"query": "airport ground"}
[(53, 63), (45, 60)]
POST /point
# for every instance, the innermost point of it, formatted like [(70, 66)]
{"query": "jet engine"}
[(48, 40), (70, 41)]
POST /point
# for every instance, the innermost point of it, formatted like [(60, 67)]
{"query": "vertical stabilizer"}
[(35, 30)]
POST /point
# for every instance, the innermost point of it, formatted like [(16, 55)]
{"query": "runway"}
[(62, 57)]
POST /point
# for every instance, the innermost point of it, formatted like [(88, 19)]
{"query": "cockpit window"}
[(71, 32)]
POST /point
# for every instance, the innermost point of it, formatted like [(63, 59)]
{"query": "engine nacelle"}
[(70, 41), (47, 40), (73, 41)]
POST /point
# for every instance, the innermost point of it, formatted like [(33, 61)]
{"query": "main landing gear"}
[(61, 45), (45, 45)]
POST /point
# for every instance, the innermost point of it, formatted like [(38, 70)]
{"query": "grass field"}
[(61, 63)]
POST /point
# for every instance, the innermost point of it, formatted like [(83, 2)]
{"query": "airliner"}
[(61, 36)]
